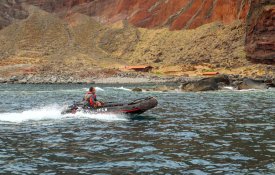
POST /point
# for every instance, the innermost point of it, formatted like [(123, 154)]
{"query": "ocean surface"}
[(222, 132)]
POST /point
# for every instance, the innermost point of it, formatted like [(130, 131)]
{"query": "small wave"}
[(252, 90), (245, 90), (53, 112), (228, 88), (123, 88)]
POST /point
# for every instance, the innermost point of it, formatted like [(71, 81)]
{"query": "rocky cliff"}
[(174, 14), (61, 36), (260, 34)]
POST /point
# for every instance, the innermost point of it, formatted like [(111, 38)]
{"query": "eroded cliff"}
[(174, 14), (260, 34)]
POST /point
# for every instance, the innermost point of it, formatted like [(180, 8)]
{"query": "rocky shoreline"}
[(120, 78), (192, 84), (219, 82)]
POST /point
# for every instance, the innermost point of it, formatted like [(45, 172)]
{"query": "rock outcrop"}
[(137, 90), (10, 11), (252, 84), (260, 40), (206, 84)]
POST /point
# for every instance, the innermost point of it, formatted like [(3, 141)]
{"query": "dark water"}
[(225, 132)]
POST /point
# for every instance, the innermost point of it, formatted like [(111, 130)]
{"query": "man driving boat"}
[(91, 100)]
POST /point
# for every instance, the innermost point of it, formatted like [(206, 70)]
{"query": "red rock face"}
[(175, 14), (260, 37)]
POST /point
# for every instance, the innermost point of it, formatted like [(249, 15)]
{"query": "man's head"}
[(92, 90)]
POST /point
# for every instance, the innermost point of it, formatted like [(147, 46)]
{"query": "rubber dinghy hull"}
[(137, 106)]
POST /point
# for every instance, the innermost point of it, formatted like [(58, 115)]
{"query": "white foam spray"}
[(229, 88), (48, 112), (102, 117), (53, 112)]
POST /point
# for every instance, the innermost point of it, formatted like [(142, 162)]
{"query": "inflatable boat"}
[(137, 106)]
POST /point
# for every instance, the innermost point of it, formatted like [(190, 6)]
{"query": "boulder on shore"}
[(206, 84), (2, 80), (248, 83), (137, 90)]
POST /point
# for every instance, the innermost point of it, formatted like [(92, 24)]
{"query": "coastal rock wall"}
[(260, 40)]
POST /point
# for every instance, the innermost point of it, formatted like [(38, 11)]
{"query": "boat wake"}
[(53, 112)]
